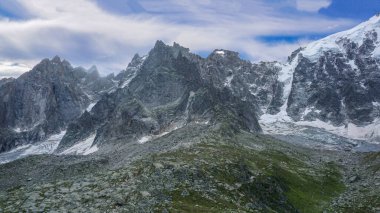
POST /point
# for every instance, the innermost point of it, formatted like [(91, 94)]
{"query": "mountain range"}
[(176, 132)]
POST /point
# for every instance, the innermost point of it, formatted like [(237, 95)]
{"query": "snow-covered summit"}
[(331, 84), (356, 35)]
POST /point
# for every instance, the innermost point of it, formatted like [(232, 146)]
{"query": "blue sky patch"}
[(272, 39), (354, 9)]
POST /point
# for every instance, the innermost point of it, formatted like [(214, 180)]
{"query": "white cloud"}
[(312, 5), (85, 34), (11, 69)]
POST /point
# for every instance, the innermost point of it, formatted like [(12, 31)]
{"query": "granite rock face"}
[(339, 84), (44, 100), (255, 83), (157, 94), (6, 80)]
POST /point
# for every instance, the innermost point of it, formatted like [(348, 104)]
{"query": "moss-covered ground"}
[(259, 175)]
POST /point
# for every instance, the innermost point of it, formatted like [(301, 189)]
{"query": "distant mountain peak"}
[(224, 54), (136, 56), (357, 35), (56, 59), (92, 69), (159, 44)]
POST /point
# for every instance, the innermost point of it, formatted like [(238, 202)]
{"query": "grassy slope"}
[(265, 173)]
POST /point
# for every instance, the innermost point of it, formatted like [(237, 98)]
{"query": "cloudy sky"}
[(108, 33)]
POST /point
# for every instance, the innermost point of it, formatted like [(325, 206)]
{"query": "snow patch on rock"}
[(227, 82), (145, 139), (369, 132), (18, 129), (353, 65), (84, 147), (220, 52), (89, 108), (132, 70), (376, 52), (286, 77), (47, 146), (168, 130), (282, 124)]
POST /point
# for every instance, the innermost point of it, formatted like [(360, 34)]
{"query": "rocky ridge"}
[(42, 102)]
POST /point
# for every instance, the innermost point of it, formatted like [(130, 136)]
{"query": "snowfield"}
[(84, 147), (45, 147), (49, 146), (331, 43)]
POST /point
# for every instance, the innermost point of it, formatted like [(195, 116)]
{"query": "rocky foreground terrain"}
[(175, 132), (205, 169)]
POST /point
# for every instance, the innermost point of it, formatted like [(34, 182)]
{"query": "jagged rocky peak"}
[(178, 46), (225, 58), (221, 64), (92, 74), (137, 59), (162, 49), (167, 52), (168, 71), (159, 48), (160, 93), (161, 53), (183, 51), (126, 76), (55, 65), (254, 83), (42, 102), (136, 62), (294, 54), (93, 69), (221, 53), (56, 59)]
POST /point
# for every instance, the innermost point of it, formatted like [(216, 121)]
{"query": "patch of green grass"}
[(196, 202), (298, 184), (311, 193)]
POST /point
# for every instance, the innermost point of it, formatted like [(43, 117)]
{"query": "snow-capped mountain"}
[(330, 86), (363, 37), (333, 83)]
